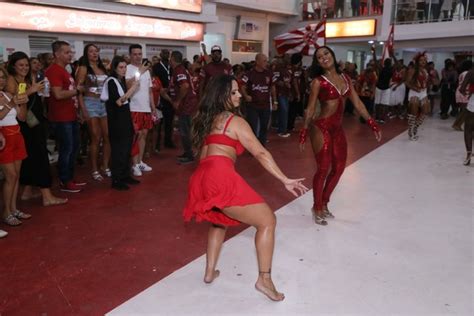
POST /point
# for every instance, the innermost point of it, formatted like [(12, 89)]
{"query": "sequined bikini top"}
[(328, 90)]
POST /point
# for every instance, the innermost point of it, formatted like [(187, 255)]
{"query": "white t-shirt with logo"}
[(140, 100)]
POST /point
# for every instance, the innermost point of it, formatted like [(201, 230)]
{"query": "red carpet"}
[(105, 246)]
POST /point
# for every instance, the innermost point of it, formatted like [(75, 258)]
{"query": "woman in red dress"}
[(331, 87), (218, 194)]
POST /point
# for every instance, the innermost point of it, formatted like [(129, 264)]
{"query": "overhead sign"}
[(179, 5), (48, 19), (351, 28)]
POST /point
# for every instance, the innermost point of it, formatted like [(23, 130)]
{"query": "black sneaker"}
[(130, 180), (120, 186), (185, 160)]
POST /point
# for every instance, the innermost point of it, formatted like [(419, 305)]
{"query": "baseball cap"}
[(216, 47)]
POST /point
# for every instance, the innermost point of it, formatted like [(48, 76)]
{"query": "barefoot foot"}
[(211, 276), (54, 201), (265, 285)]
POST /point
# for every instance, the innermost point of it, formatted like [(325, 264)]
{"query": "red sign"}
[(47, 19), (180, 5)]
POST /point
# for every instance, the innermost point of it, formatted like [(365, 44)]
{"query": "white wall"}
[(227, 25), (290, 7)]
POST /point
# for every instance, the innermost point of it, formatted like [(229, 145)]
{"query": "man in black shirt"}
[(164, 73)]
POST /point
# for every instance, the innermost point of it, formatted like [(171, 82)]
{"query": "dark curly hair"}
[(216, 99), (316, 70)]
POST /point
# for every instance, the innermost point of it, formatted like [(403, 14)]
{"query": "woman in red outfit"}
[(218, 194), (331, 87)]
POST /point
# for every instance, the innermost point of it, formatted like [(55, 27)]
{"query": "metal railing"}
[(333, 9), (429, 11)]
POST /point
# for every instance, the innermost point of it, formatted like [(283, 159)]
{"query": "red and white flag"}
[(304, 40), (388, 46)]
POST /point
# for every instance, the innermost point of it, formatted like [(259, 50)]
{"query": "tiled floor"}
[(401, 244)]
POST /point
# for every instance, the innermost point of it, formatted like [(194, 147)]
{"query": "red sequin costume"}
[(331, 159)]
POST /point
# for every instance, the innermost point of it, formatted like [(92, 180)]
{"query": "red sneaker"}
[(70, 187), (79, 183)]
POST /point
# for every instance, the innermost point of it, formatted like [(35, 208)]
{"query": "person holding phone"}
[(121, 131), (12, 106), (35, 169), (141, 104)]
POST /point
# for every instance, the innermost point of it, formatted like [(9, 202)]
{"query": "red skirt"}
[(214, 186)]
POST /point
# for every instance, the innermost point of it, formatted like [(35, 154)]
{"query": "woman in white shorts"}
[(397, 87), (418, 103)]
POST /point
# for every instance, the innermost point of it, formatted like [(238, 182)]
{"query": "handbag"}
[(31, 119)]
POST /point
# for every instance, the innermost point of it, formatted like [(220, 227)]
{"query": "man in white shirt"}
[(141, 104)]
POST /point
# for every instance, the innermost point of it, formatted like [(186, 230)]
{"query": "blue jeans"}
[(67, 137), (258, 119), (283, 106), (185, 133)]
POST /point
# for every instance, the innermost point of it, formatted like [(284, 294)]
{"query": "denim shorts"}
[(95, 107)]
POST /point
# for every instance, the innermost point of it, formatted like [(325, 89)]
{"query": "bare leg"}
[(94, 132), (11, 177), (214, 245), (17, 165), (262, 218)]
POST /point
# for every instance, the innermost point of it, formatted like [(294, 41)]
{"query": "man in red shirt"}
[(62, 114), (215, 68), (257, 91), (185, 103)]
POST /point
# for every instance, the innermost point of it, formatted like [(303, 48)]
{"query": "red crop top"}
[(328, 90), (223, 139)]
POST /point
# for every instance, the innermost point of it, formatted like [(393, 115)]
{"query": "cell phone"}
[(145, 61), (21, 88)]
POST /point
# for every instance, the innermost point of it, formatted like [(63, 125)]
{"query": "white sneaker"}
[(136, 170), (3, 233), (144, 167)]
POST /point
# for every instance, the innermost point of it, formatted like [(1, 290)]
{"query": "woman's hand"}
[(20, 99), (378, 135), (295, 184), (37, 86)]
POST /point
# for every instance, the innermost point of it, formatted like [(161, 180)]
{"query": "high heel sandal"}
[(328, 214), (319, 218), (467, 162)]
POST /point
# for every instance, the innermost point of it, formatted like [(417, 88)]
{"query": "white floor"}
[(401, 244)]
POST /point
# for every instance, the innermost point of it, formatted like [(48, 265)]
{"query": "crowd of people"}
[(119, 110)]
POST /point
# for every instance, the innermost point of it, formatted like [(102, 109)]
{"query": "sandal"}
[(319, 219), (20, 215), (327, 213), (108, 172), (97, 176), (12, 220)]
